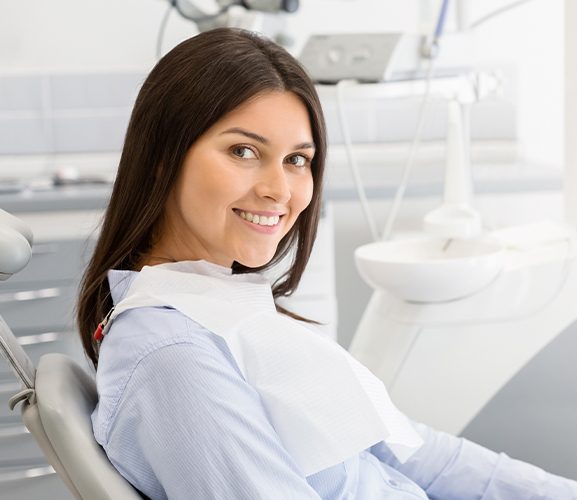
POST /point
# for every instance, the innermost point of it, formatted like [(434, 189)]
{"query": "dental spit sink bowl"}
[(431, 270)]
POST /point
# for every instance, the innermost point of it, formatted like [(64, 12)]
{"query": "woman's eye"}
[(297, 160), (243, 152)]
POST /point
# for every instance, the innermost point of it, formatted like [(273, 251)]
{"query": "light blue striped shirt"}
[(177, 419)]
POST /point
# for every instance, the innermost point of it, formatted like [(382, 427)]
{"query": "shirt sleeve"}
[(451, 468), (201, 430)]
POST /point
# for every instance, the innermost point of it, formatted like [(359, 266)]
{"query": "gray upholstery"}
[(60, 422)]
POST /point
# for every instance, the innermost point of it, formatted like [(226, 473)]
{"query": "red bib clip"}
[(98, 335), (103, 327)]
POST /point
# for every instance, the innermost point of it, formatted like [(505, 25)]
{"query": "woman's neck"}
[(152, 260)]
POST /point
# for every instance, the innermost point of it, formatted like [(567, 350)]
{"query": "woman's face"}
[(243, 184)]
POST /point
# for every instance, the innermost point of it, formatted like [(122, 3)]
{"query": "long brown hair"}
[(189, 89)]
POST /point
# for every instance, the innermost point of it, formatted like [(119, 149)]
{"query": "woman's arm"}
[(190, 425), (451, 468)]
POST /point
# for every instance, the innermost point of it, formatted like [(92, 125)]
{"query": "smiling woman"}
[(205, 128), (207, 389)]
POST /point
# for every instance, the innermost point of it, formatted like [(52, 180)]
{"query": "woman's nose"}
[(273, 183)]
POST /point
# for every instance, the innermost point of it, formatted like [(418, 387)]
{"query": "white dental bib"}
[(324, 405)]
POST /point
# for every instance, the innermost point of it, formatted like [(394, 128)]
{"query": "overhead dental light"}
[(213, 11), (210, 14)]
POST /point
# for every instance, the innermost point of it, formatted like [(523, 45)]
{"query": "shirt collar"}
[(119, 282)]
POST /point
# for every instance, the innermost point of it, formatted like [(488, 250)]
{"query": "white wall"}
[(529, 38), (83, 35)]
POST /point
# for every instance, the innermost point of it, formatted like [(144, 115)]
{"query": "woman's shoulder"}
[(137, 332), (146, 339)]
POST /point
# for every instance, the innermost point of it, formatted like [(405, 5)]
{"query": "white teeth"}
[(261, 220)]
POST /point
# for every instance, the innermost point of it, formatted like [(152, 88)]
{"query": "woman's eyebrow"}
[(263, 140)]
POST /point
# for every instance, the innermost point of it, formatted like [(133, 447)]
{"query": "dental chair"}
[(57, 396)]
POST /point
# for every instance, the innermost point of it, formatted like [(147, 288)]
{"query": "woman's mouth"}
[(261, 220)]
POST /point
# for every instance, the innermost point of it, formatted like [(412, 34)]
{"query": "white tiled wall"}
[(89, 112), (65, 113)]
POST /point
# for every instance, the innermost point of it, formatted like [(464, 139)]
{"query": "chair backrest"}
[(57, 403), (59, 419)]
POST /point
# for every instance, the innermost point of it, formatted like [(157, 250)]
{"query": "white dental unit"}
[(473, 331), (469, 329)]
